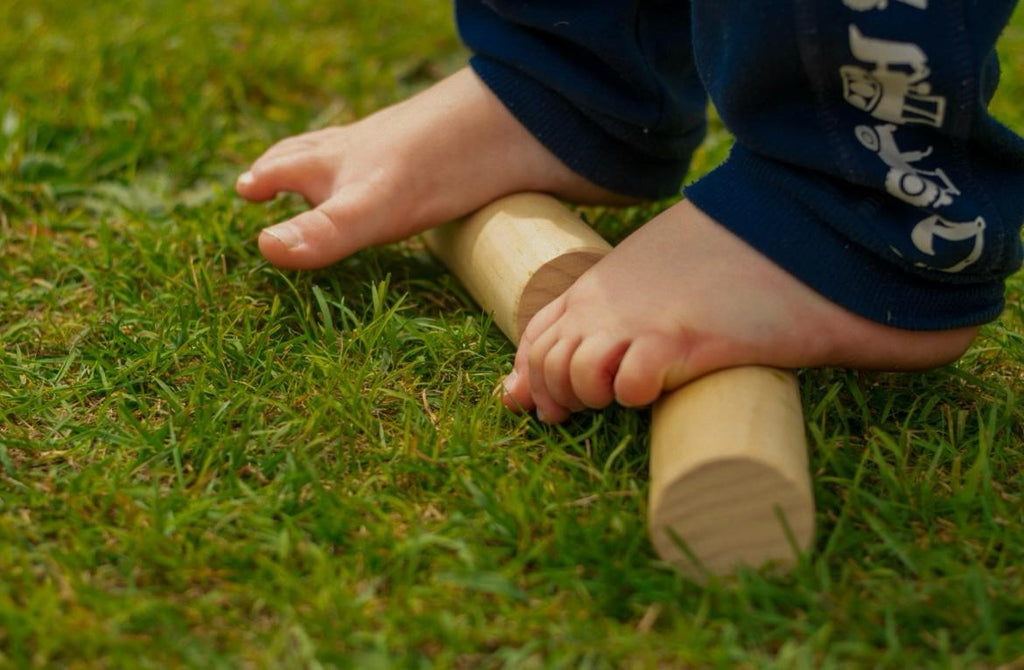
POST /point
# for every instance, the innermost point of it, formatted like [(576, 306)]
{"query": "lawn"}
[(207, 462)]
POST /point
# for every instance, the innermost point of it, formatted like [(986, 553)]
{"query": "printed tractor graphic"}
[(926, 231), (924, 188), (896, 90), (921, 188)]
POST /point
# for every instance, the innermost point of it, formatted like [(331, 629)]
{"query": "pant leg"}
[(866, 162), (609, 87)]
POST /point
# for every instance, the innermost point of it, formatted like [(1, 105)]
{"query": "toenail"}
[(542, 416), (246, 178), (287, 234), (510, 381)]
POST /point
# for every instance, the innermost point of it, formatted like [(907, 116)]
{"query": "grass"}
[(207, 462)]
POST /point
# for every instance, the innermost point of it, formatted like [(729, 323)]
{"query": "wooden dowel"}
[(517, 255), (729, 477)]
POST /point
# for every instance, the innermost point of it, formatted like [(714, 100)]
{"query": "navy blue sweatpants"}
[(866, 163)]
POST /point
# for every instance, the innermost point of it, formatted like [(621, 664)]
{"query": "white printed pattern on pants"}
[(866, 5), (896, 90)]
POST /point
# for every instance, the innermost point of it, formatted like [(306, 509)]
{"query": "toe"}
[(543, 320), (247, 187), (548, 409), (557, 374), (353, 219), (552, 413), (593, 368), (520, 396), (645, 367), (309, 142), (519, 385), (527, 387), (517, 395), (293, 144), (306, 173)]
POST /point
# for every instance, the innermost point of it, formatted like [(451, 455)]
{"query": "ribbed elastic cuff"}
[(577, 141), (792, 220)]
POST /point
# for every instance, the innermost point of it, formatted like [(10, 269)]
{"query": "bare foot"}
[(435, 157), (682, 297)]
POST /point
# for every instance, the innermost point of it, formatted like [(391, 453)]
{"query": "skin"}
[(679, 298), (402, 170), (683, 297)]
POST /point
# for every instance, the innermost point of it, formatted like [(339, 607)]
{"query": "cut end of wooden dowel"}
[(516, 255), (728, 514), (552, 280)]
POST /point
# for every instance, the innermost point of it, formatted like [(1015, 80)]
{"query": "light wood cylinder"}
[(729, 476), (517, 255), (730, 484)]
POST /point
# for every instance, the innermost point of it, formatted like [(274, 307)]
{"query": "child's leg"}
[(598, 109), (882, 201)]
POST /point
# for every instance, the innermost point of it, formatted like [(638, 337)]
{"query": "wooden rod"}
[(729, 476), (517, 255)]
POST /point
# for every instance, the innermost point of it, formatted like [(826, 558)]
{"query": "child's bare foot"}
[(430, 159), (683, 297)]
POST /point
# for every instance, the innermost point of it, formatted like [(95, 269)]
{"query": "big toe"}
[(594, 366), (652, 365), (353, 219)]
